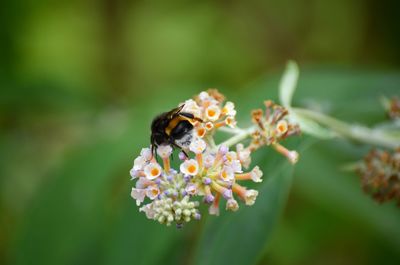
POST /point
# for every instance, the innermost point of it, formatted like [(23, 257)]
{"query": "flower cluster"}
[(208, 106), (273, 126), (211, 175), (380, 175), (207, 173)]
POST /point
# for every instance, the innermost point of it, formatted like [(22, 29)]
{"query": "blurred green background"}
[(81, 80)]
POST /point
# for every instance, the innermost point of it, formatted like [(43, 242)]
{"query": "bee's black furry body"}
[(173, 128)]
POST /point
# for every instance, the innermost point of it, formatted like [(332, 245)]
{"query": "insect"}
[(173, 128)]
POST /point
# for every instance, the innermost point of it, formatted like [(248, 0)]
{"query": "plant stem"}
[(359, 133), (243, 134)]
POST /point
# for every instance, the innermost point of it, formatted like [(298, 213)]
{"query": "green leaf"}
[(288, 84), (319, 179), (241, 237), (84, 214)]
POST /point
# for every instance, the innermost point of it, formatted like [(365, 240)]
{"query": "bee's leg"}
[(183, 151), (190, 116), (180, 148), (154, 152)]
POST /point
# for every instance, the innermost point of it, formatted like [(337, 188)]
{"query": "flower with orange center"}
[(208, 170), (213, 112), (191, 189), (230, 121), (152, 192), (229, 109), (152, 171), (201, 131), (227, 174), (282, 127), (209, 126), (190, 167)]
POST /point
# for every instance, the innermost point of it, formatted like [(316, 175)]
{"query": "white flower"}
[(250, 197), (243, 155), (146, 154), (152, 171), (230, 156), (229, 109), (190, 167), (138, 195), (282, 127), (227, 174), (203, 96), (139, 163), (227, 194), (164, 151), (197, 146), (192, 107), (200, 132), (142, 183), (208, 160), (191, 189), (148, 210), (236, 166), (231, 159), (232, 205), (213, 112), (256, 174), (152, 192), (230, 121), (209, 126), (134, 173)]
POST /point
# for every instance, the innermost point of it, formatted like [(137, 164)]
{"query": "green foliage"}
[(83, 212), (80, 82)]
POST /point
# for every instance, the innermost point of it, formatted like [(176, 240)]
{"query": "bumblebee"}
[(173, 128)]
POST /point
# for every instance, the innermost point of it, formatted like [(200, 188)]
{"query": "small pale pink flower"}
[(152, 192), (282, 127), (138, 195), (192, 107), (212, 113), (152, 171), (209, 126), (146, 154), (139, 163), (227, 174), (191, 189), (190, 167), (256, 174), (197, 146), (164, 151), (208, 160), (232, 205), (250, 197), (148, 210), (229, 109)]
